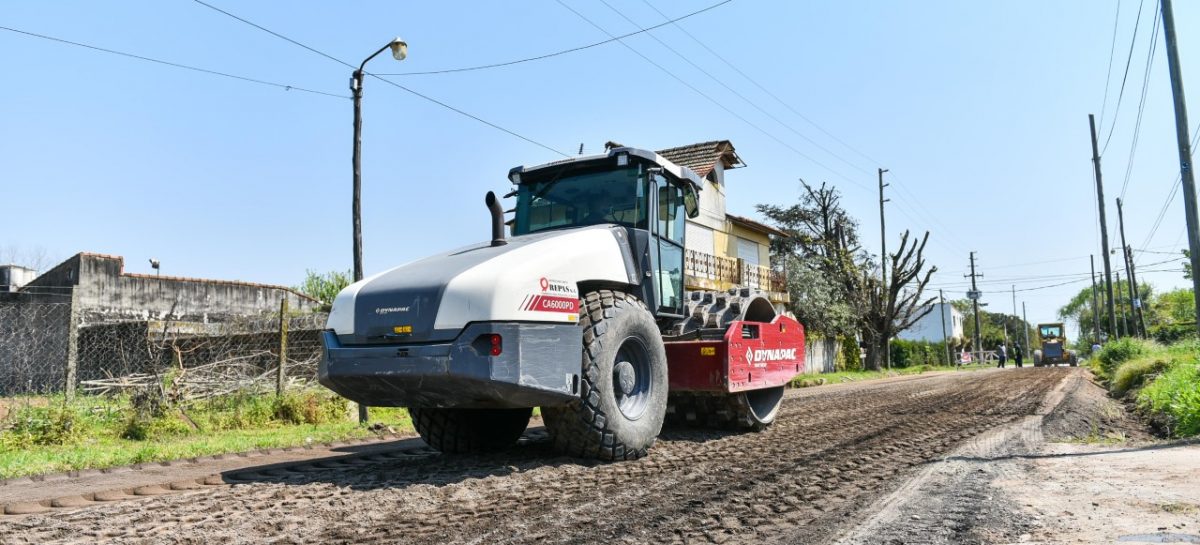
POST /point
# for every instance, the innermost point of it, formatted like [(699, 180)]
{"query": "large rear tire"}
[(1037, 358), (468, 431), (623, 391)]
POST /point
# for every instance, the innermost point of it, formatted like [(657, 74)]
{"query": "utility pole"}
[(1095, 300), (975, 305), (1186, 175), (1137, 293), (883, 266), (1112, 315), (1122, 324), (1025, 327), (945, 339), (1128, 268), (1014, 296)]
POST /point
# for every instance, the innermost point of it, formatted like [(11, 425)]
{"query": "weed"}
[(52, 425)]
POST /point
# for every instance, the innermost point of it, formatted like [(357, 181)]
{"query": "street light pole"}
[(883, 266), (399, 52)]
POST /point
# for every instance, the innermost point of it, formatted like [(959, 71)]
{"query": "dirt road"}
[(834, 452)]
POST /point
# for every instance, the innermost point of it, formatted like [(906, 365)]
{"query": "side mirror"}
[(691, 201)]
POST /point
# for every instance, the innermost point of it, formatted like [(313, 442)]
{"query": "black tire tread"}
[(582, 429), (470, 431)]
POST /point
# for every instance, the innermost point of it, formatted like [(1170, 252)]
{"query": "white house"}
[(929, 327)]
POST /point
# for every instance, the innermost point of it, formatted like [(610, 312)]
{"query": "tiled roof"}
[(702, 157)]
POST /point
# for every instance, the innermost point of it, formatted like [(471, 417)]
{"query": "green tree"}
[(1171, 315), (324, 287), (1080, 309)]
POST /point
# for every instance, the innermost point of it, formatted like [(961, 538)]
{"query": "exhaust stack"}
[(497, 211)]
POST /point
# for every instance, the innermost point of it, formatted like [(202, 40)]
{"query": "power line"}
[(1137, 127), (721, 105), (722, 83), (1111, 49), (387, 81), (556, 53), (283, 86), (714, 101), (1132, 42), (914, 204), (1043, 277), (1162, 212)]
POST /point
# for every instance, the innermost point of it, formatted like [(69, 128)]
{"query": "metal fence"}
[(33, 345), (48, 347)]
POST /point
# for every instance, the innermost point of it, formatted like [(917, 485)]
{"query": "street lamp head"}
[(399, 49)]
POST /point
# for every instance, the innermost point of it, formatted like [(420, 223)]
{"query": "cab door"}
[(667, 243)]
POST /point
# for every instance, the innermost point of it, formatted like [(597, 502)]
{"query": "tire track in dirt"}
[(829, 455)]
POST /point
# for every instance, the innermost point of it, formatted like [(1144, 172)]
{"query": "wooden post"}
[(72, 348), (280, 374)]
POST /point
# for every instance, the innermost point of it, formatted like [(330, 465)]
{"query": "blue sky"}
[(979, 110)]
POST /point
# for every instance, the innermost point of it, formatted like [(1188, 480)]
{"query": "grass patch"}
[(49, 435), (1174, 397), (1163, 381), (808, 381), (1115, 353)]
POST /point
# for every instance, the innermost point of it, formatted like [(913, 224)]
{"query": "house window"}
[(747, 250), (700, 238)]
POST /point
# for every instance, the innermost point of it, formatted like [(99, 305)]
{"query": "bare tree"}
[(903, 302), (33, 257)]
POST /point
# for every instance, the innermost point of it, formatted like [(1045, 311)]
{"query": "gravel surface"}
[(834, 452)]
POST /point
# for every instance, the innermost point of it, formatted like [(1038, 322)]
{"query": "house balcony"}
[(716, 273)]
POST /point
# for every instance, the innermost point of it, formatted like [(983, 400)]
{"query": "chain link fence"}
[(48, 347), (33, 344)]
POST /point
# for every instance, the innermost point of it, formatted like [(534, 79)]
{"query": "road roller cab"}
[(582, 312)]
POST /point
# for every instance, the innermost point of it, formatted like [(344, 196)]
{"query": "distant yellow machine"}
[(1054, 349)]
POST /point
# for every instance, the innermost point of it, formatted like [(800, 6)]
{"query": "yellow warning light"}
[(402, 330), (572, 318), (708, 350)]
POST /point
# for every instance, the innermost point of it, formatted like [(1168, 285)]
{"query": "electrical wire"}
[(556, 53), (1112, 48), (1137, 127), (1132, 42), (283, 86), (714, 101), (1175, 185), (914, 205), (387, 81)]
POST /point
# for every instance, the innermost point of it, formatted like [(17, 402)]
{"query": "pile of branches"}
[(238, 374)]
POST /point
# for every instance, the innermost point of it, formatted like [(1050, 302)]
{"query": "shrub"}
[(849, 357), (1171, 333), (1120, 351), (309, 408), (53, 425), (914, 353)]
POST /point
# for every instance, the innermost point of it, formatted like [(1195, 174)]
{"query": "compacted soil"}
[(839, 460)]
